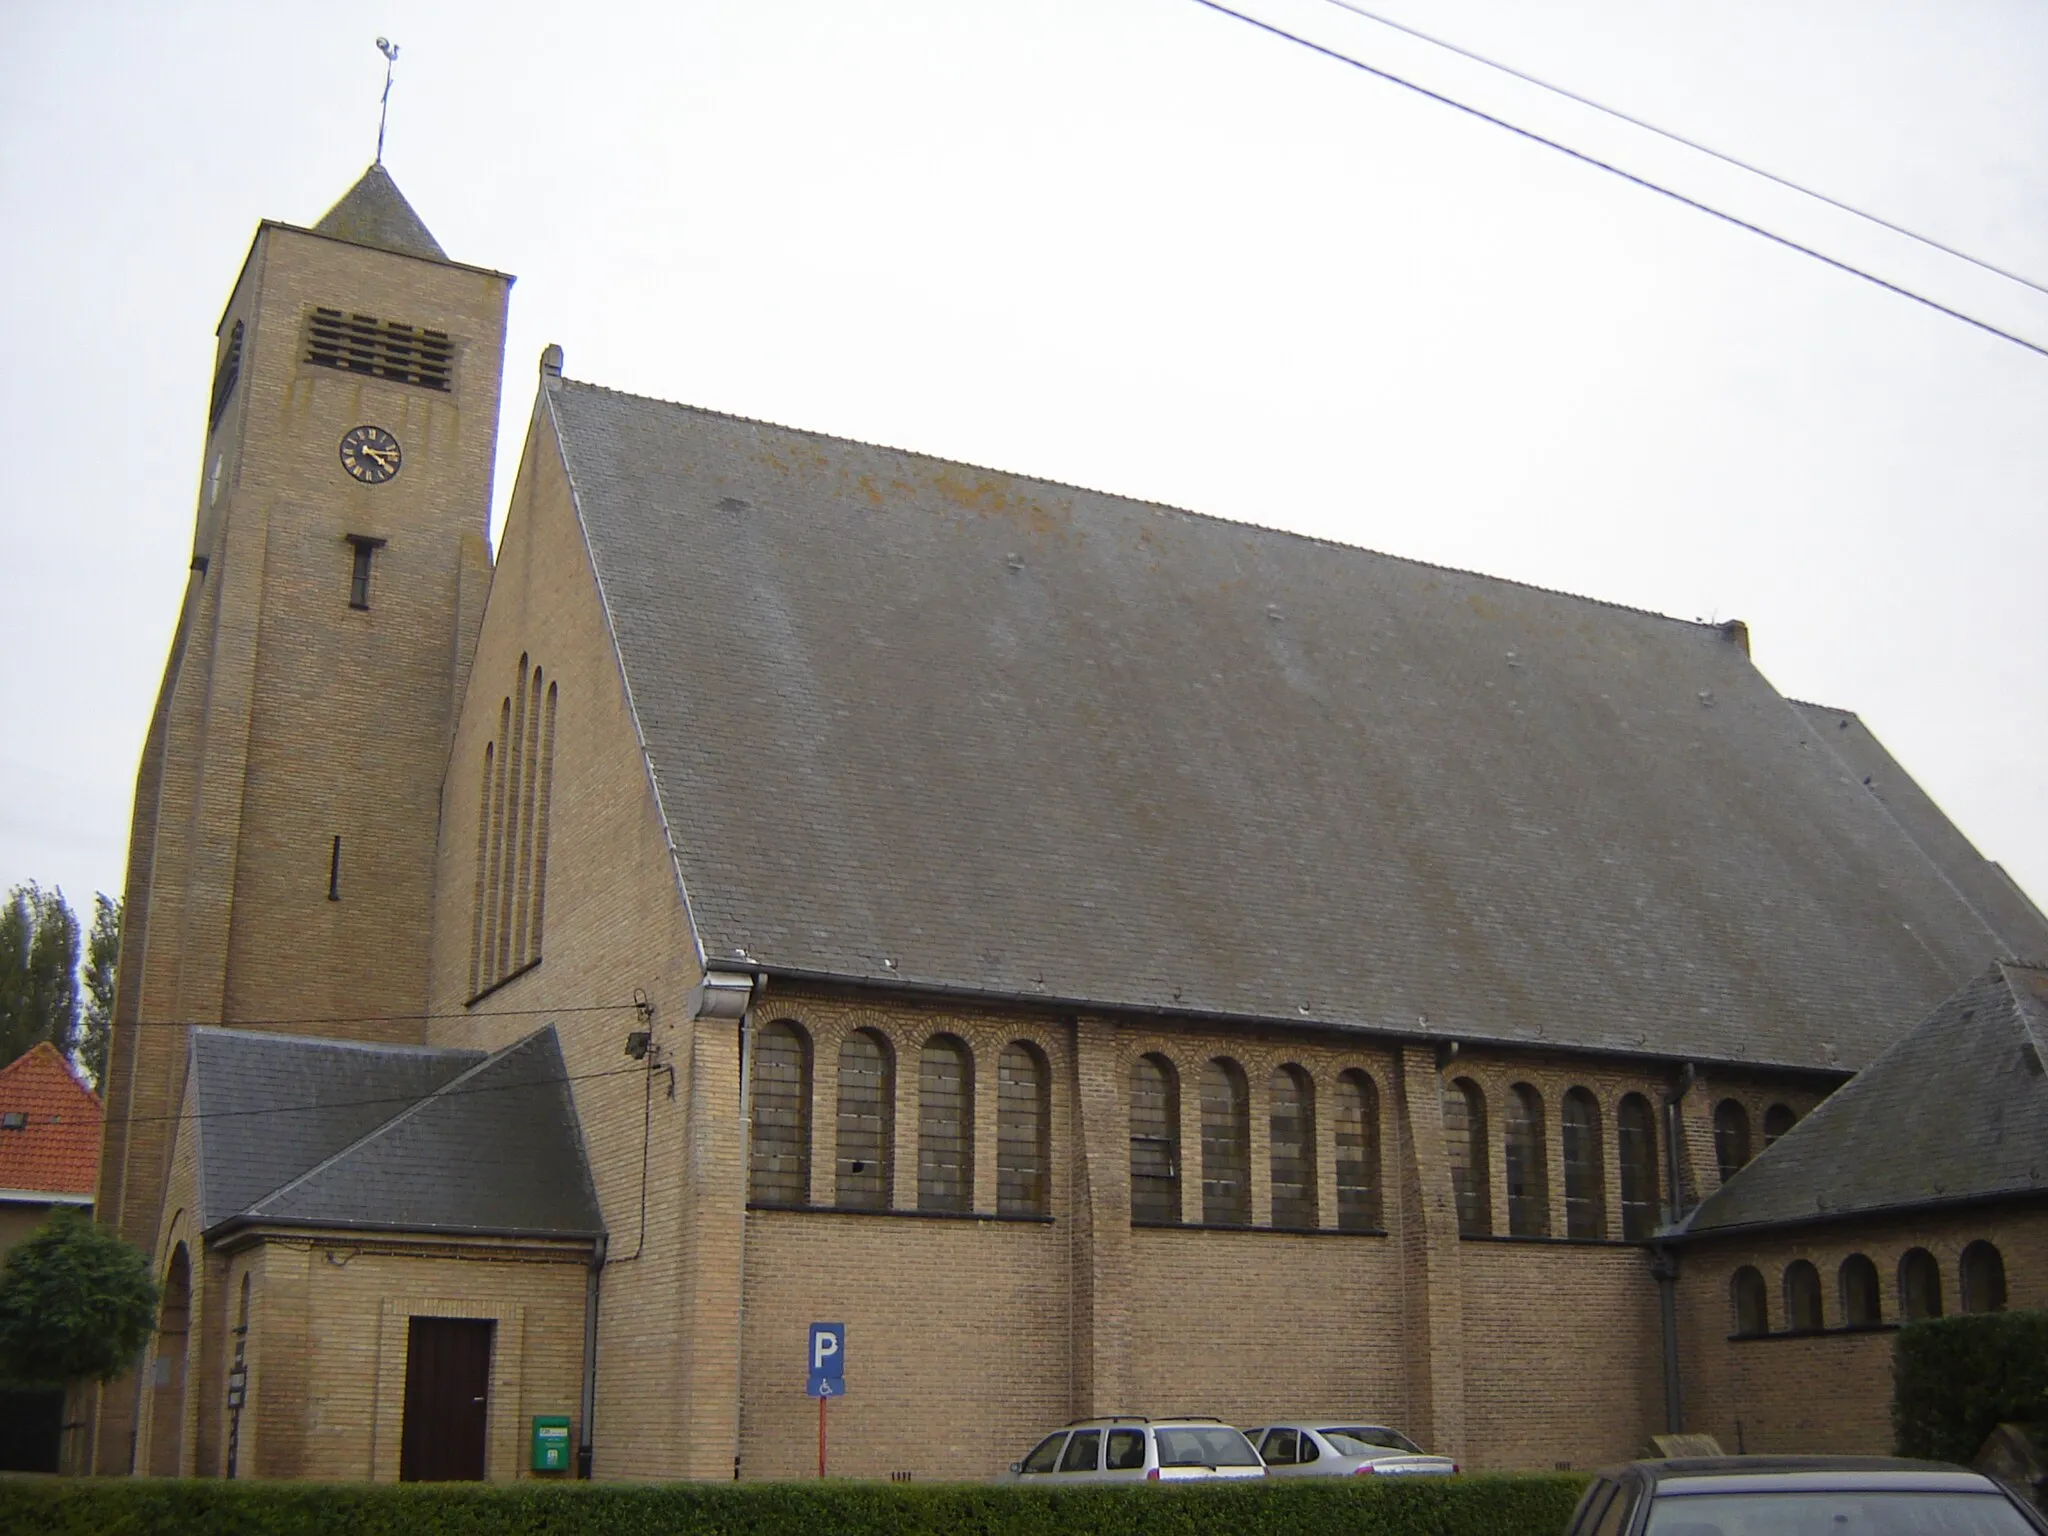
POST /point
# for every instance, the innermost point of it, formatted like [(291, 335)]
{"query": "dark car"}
[(1799, 1496)]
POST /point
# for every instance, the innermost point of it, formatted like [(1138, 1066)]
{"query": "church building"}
[(1110, 959)]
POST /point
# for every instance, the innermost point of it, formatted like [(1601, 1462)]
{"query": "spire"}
[(374, 212)]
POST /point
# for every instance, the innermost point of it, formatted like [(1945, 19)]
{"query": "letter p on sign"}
[(825, 1367)]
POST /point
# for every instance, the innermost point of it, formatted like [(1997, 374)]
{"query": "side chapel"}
[(1112, 959)]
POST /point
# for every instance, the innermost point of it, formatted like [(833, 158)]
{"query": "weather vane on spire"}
[(390, 51)]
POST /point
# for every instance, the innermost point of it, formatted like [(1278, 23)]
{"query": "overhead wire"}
[(403, 1098), (369, 1018), (1626, 175), (1693, 144)]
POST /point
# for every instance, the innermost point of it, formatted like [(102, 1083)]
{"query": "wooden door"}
[(447, 1399)]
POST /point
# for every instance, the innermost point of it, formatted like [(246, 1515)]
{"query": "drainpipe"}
[(1664, 1260), (585, 1452), (731, 995)]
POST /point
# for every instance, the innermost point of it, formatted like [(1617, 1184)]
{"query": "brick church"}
[(1111, 959)]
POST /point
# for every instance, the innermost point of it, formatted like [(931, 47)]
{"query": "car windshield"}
[(1207, 1446), (1365, 1439), (1884, 1513)]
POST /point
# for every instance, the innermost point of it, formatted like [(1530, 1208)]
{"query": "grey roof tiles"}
[(918, 723), (320, 1133), (1956, 1110), (374, 212)]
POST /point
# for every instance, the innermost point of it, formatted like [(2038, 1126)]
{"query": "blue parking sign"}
[(826, 1360)]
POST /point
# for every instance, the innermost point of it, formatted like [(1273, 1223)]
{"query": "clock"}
[(370, 454)]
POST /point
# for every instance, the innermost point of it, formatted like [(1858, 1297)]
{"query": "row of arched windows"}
[(864, 1132), (1527, 1162), (1731, 1133), (1226, 1145), (1981, 1272)]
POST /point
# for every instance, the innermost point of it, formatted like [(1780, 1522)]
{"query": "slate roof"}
[(58, 1151), (918, 723), (1995, 896), (336, 1134), (374, 212), (1956, 1110)]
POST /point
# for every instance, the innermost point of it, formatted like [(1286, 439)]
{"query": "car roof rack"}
[(1193, 1418), (1108, 1418)]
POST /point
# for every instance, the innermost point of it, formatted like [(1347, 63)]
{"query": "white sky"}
[(1132, 244)]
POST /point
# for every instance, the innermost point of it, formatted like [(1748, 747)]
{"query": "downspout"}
[(757, 986), (1664, 1260), (586, 1455)]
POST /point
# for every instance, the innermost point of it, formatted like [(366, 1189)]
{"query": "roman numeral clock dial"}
[(370, 454)]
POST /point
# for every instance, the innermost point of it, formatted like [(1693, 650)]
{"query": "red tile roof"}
[(58, 1151)]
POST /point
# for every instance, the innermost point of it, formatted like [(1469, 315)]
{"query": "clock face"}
[(370, 454)]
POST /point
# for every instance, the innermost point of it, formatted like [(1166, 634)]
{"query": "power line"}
[(368, 1018), (1629, 176), (404, 1098), (1692, 144)]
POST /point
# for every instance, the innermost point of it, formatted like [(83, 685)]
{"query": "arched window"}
[(781, 1163), (1635, 1138), (1226, 1145), (1919, 1285), (945, 1126), (1746, 1291), (1358, 1153), (1465, 1144), (1155, 1140), (1731, 1137), (1860, 1305), (1983, 1278), (1585, 1178), (1023, 1123), (1778, 1119), (1527, 1164), (1293, 1107), (1802, 1297), (865, 1149)]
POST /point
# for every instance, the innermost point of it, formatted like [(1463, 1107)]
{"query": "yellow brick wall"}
[(327, 1342), (1828, 1392)]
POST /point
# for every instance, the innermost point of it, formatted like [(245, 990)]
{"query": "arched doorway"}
[(166, 1383)]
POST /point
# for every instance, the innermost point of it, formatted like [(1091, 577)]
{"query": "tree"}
[(102, 959), (75, 1301), (38, 971)]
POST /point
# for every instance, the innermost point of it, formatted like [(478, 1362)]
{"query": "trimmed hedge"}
[(1955, 1379), (1459, 1506)]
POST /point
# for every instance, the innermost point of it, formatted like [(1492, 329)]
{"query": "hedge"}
[(1955, 1379), (1460, 1506)]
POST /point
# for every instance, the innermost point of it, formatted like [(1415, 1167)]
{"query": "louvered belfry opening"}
[(383, 349)]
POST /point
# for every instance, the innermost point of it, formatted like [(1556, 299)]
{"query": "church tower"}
[(281, 858)]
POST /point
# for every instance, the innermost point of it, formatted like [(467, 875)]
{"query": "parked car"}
[(1340, 1448), (1798, 1495), (1127, 1449)]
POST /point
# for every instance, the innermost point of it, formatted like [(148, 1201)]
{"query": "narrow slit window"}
[(359, 569), (512, 833), (334, 872)]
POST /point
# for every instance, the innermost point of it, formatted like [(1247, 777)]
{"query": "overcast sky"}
[(1133, 244)]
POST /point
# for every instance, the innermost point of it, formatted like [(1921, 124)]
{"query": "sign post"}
[(825, 1373)]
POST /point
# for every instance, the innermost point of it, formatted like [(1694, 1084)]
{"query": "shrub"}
[(1463, 1506), (75, 1301), (1955, 1379)]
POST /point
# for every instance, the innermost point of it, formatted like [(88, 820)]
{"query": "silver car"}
[(1128, 1449), (1335, 1448)]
